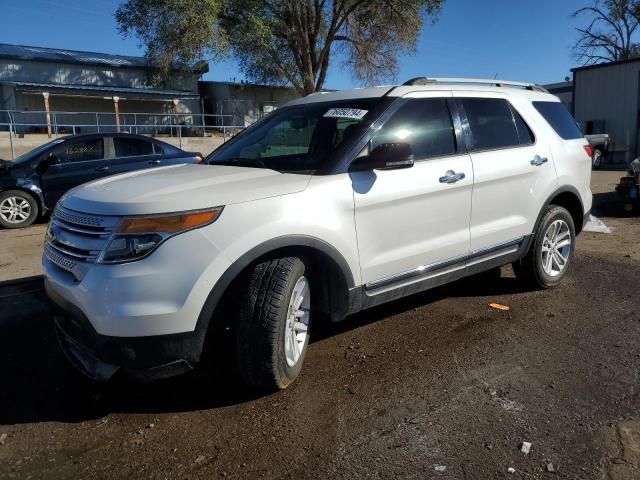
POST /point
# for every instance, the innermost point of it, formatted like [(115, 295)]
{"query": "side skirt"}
[(427, 277)]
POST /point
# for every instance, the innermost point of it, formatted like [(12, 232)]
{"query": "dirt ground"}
[(436, 386)]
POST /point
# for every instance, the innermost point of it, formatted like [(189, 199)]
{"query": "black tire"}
[(596, 159), (33, 211), (260, 335), (530, 269)]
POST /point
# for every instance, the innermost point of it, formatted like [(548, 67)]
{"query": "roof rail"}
[(474, 81)]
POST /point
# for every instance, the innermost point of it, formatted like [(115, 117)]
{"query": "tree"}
[(281, 41), (610, 34)]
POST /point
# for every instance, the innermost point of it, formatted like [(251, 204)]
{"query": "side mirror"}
[(46, 162), (387, 156)]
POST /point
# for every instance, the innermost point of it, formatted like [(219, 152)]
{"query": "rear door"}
[(79, 161), (413, 224), (513, 172), (133, 153)]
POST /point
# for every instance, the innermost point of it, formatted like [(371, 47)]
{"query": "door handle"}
[(538, 160), (154, 162), (102, 169), (452, 177)]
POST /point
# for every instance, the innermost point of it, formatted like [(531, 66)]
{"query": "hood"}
[(180, 188), (6, 164)]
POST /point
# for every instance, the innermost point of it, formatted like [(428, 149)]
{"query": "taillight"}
[(198, 159), (589, 150)]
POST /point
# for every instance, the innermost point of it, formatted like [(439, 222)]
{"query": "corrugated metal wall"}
[(74, 74), (610, 94)]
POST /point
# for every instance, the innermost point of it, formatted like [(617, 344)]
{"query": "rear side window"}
[(559, 118), (425, 124), (80, 151), (492, 123), (525, 135), (132, 147)]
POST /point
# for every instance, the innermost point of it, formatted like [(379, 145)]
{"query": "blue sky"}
[(510, 39)]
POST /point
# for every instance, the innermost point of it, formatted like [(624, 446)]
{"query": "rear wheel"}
[(273, 328), (596, 159), (549, 257), (17, 209)]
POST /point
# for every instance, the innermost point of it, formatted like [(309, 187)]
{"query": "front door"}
[(77, 161), (413, 224)]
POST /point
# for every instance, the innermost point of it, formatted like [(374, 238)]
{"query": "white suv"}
[(332, 204)]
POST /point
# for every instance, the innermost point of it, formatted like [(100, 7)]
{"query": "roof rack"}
[(474, 81)]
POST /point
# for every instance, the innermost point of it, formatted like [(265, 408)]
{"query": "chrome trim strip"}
[(64, 251), (422, 272), (419, 271), (94, 233)]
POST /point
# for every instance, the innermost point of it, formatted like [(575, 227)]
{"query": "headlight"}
[(136, 237)]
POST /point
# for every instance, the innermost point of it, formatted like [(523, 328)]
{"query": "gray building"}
[(244, 103), (606, 100), (37, 79), (564, 91)]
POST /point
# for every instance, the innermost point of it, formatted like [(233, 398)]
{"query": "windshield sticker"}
[(352, 113)]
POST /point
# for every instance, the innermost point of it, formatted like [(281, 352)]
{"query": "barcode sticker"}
[(353, 113)]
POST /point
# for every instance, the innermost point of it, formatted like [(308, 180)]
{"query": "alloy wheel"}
[(15, 210), (556, 248), (297, 326)]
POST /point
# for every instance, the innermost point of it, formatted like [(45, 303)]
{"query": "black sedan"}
[(31, 185)]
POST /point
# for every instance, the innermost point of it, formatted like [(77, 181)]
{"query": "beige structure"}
[(42, 80)]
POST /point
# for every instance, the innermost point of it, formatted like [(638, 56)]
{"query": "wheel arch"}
[(569, 198), (337, 277)]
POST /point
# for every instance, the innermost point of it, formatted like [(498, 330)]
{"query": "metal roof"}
[(102, 90), (605, 64), (58, 55)]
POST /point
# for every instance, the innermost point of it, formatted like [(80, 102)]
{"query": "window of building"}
[(423, 123), (80, 151), (491, 122), (559, 118), (132, 147)]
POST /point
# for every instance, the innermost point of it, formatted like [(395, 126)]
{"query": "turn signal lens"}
[(589, 150), (169, 224)]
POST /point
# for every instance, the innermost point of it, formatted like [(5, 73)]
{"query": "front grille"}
[(75, 238)]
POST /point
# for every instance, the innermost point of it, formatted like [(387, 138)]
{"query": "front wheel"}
[(273, 328), (549, 257), (17, 209)]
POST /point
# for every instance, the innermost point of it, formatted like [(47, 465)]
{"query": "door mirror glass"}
[(386, 156), (46, 162)]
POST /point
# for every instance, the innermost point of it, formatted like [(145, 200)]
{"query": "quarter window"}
[(132, 147), (560, 119), (425, 124), (491, 122), (80, 151)]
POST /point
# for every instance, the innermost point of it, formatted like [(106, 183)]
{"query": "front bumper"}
[(100, 357)]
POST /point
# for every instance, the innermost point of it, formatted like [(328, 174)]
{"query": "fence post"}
[(224, 134), (13, 152), (97, 123), (180, 135), (135, 122)]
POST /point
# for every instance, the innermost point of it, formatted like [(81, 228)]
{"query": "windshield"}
[(32, 154), (301, 138)]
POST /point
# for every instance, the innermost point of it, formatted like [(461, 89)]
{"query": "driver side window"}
[(422, 123), (291, 136), (80, 151)]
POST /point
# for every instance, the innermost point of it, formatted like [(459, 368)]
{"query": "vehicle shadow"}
[(38, 385)]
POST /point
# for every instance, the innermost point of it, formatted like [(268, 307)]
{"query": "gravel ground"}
[(434, 386)]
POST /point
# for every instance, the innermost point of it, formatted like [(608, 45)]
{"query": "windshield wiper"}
[(242, 162)]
